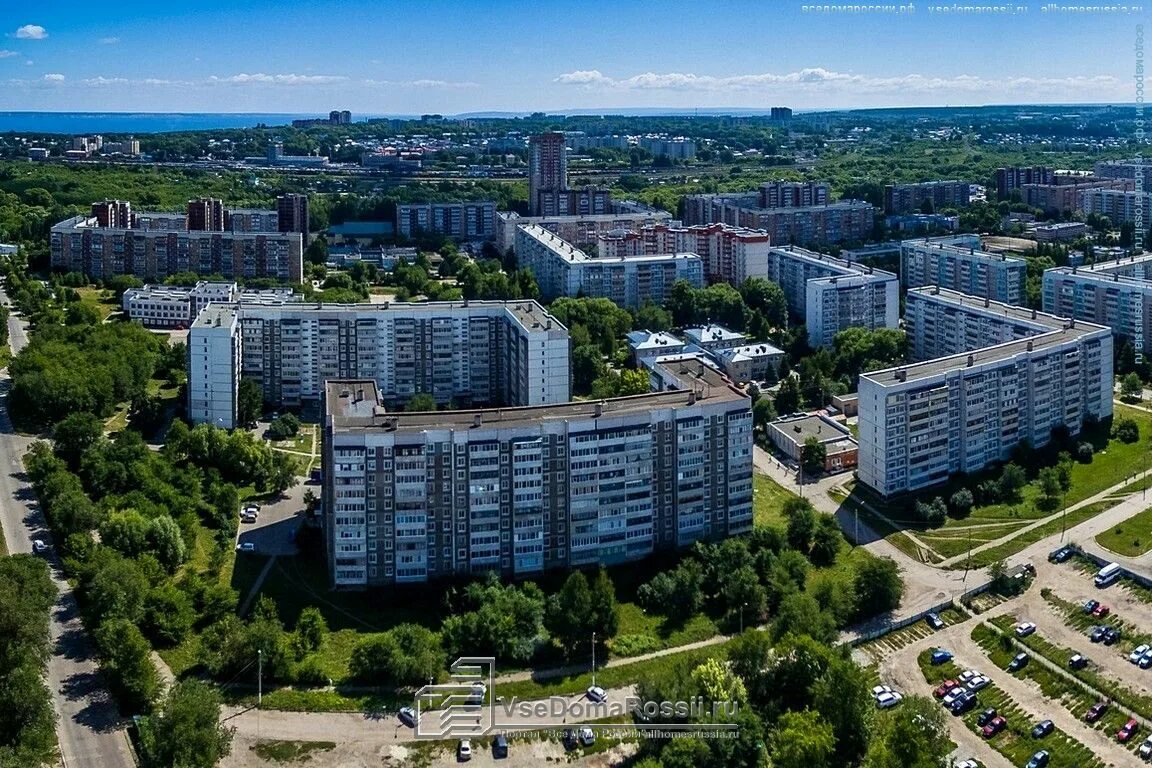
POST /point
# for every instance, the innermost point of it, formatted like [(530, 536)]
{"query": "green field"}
[(768, 498), (1131, 538)]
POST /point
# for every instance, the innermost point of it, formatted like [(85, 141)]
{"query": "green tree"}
[(166, 541), (800, 614), (187, 732), (249, 402), (961, 503), (75, 435), (826, 541), (128, 660), (587, 367), (914, 735), (801, 523), (716, 682), (1126, 430), (878, 586), (633, 382), (652, 317), (286, 426), (421, 401), (168, 614), (311, 630), (788, 396), (813, 454), (1132, 387), (1012, 480), (406, 655), (117, 590), (744, 595), (802, 740), (126, 532)]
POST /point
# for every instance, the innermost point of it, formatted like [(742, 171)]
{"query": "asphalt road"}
[(88, 727)]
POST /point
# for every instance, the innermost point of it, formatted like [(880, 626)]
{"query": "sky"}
[(403, 57)]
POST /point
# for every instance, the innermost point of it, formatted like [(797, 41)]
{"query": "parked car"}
[(978, 683), (1018, 662), (940, 656), (1077, 661), (569, 739), (1145, 750), (934, 621), (877, 690), (1101, 611), (1039, 760), (1042, 729), (888, 700), (967, 675), (1060, 555), (407, 716), (994, 726), (953, 694), (1091, 606), (969, 763), (1127, 731), (587, 736), (39, 547), (1025, 628), (247, 546), (1096, 711), (1111, 636), (1096, 634), (940, 691), (1145, 661), (500, 747), (464, 750), (986, 716), (596, 693), (964, 703), (1139, 651)]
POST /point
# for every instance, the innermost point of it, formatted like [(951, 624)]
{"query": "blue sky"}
[(405, 57)]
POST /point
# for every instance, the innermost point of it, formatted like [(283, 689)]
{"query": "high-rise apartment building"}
[(922, 423), (1015, 177), (561, 269), (793, 194), (830, 293), (470, 220), (579, 230), (547, 168), (719, 246), (957, 263), (1120, 206), (479, 352), (206, 214), (412, 497), (292, 214), (910, 198), (1124, 169), (846, 221), (1113, 293), (213, 362), (113, 213)]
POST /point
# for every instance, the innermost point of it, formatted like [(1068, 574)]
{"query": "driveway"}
[(274, 532)]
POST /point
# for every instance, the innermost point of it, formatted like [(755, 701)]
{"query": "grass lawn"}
[(1014, 545), (768, 498), (291, 751), (1132, 538), (99, 298)]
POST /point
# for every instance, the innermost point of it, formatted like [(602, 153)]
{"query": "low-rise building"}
[(750, 362), (646, 345), (1059, 233), (170, 306), (790, 433), (713, 337)]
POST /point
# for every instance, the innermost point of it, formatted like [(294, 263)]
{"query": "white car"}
[(952, 695), (1134, 657), (880, 690), (247, 546), (967, 675), (1145, 750), (596, 693), (1025, 628), (978, 683), (477, 695), (969, 763), (39, 547), (587, 737), (464, 750), (888, 700)]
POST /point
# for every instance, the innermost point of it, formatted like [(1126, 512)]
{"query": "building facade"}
[(846, 221), (922, 423), (1113, 293), (957, 263), (413, 497), (561, 269), (579, 230), (213, 367), (470, 220), (480, 353), (909, 198), (794, 194), (169, 306)]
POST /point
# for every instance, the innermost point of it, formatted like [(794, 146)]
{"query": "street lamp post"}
[(593, 659), (742, 607)]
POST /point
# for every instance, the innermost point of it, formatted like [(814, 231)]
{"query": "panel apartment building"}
[(846, 221), (831, 294), (114, 240), (411, 497), (468, 353), (908, 198), (561, 269), (1113, 293), (979, 390), (957, 263), (578, 230), (719, 246), (472, 220)]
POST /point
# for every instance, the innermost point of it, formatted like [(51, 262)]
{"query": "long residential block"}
[(561, 269), (578, 230), (411, 497), (1113, 293), (957, 263), (463, 353), (924, 422)]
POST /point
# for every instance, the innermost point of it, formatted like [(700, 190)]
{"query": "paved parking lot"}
[(274, 532)]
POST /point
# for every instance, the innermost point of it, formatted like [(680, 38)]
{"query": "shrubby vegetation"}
[(27, 720)]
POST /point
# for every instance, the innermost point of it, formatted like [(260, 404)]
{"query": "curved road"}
[(88, 727)]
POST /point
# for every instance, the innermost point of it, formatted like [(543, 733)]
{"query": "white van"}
[(1107, 575)]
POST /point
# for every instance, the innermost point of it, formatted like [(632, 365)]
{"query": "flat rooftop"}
[(349, 413), (799, 428), (891, 376), (847, 268), (570, 253), (979, 305), (528, 312), (961, 250), (511, 216), (216, 315)]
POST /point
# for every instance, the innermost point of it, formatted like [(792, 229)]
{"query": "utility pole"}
[(259, 678), (593, 659)]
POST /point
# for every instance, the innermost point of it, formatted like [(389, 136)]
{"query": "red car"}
[(1101, 611), (998, 724), (942, 690), (1096, 711), (1128, 731)]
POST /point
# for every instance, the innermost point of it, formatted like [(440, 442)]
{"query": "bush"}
[(1084, 452), (1126, 430), (284, 427), (961, 503), (310, 673), (932, 512)]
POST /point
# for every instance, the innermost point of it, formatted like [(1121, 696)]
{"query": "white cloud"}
[(820, 79), (108, 40), (291, 79), (31, 32), (8, 54), (54, 77), (420, 84)]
